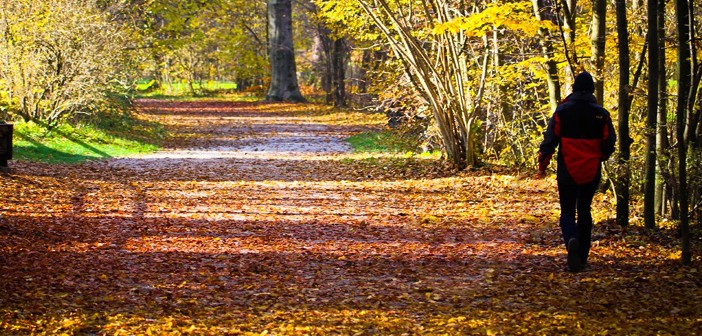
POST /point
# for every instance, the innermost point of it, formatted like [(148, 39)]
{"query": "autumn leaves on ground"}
[(258, 219)]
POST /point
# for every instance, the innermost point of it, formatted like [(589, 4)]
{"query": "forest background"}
[(476, 80)]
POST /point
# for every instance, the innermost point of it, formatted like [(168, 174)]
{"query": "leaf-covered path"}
[(257, 219)]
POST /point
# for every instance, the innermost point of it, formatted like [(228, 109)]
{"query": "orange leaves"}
[(311, 243)]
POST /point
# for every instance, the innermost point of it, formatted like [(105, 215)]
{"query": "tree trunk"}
[(363, 71), (282, 56), (568, 29), (692, 129), (684, 84), (650, 166), (662, 129), (569, 8), (554, 83), (334, 67), (599, 11), (324, 44), (636, 4), (439, 74), (338, 67), (624, 178)]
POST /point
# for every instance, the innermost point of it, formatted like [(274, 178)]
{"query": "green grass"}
[(234, 97), (386, 141), (110, 137), (153, 89)]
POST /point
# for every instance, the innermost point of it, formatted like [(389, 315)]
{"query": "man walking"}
[(583, 132)]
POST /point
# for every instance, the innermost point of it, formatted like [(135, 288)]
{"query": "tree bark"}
[(650, 165), (568, 29), (284, 84), (554, 83), (684, 84), (692, 129), (636, 4), (335, 53), (624, 178), (338, 62), (599, 12), (662, 129), (569, 8)]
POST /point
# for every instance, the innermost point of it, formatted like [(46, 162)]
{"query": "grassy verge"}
[(108, 136), (181, 88), (386, 141), (235, 97), (183, 91)]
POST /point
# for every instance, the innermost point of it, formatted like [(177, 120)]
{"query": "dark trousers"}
[(577, 199)]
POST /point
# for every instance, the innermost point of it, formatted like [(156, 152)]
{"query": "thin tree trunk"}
[(554, 83), (684, 83), (338, 62), (650, 165), (636, 4), (439, 73), (325, 46), (599, 12), (365, 67), (624, 178), (569, 8), (284, 84), (662, 129), (693, 122)]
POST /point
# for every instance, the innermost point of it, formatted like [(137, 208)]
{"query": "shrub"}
[(58, 58)]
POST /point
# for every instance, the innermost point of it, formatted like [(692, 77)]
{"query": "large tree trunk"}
[(282, 56), (684, 84), (624, 178), (554, 83), (650, 179), (599, 11)]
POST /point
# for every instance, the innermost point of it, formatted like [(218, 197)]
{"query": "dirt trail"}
[(258, 219)]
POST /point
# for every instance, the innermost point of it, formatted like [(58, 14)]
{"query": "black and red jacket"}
[(585, 133)]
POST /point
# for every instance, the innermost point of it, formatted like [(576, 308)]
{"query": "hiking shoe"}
[(584, 267), (574, 264)]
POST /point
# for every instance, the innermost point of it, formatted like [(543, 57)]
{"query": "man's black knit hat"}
[(584, 82)]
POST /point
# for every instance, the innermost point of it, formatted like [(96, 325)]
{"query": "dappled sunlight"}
[(230, 232), (351, 248)]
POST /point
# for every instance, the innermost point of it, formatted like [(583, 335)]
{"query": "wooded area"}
[(476, 80), (487, 75)]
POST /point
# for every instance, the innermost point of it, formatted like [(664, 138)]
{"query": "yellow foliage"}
[(516, 17)]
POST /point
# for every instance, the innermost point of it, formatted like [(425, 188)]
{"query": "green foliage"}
[(376, 142), (387, 141), (204, 40), (108, 135), (59, 58), (153, 88), (516, 17), (342, 17)]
